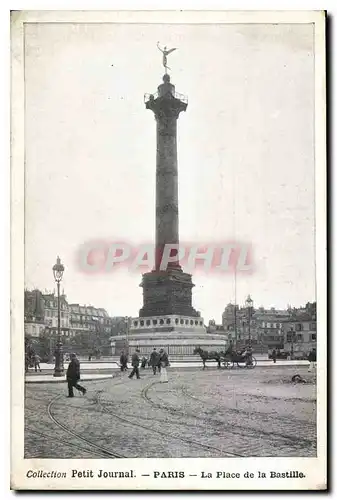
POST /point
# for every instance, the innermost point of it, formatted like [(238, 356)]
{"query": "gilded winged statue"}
[(165, 51)]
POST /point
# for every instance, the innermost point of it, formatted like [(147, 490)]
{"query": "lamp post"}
[(126, 320), (249, 306), (58, 270), (292, 342)]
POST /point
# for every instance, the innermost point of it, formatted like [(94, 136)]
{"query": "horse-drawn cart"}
[(230, 359), (235, 359)]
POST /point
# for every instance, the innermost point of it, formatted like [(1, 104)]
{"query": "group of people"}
[(311, 357), (158, 360)]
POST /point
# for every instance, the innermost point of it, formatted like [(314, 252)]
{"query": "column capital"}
[(166, 103), (166, 106)]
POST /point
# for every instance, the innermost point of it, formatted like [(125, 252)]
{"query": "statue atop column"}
[(165, 51)]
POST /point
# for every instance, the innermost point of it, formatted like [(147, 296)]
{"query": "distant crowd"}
[(158, 360)]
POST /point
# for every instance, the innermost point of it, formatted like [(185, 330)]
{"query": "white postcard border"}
[(313, 468)]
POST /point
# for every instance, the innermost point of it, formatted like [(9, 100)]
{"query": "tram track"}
[(67, 443), (263, 415), (235, 429), (274, 398), (105, 453), (216, 427), (166, 435)]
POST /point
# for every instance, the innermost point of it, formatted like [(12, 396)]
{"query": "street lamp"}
[(58, 270), (249, 306), (292, 333), (126, 320)]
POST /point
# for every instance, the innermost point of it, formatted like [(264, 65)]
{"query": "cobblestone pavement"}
[(210, 413)]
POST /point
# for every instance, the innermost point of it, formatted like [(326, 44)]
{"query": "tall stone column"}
[(167, 291), (166, 108)]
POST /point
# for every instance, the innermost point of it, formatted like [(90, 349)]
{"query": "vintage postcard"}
[(168, 250)]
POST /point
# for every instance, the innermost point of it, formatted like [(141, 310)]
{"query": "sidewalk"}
[(88, 366), (43, 378), (113, 365), (109, 369)]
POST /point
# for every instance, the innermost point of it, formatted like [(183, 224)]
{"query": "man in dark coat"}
[(273, 355), (135, 364), (154, 360), (123, 361), (73, 376)]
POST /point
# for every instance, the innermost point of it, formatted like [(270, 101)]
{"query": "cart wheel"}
[(253, 363)]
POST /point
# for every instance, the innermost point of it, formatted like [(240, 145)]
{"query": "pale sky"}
[(245, 154)]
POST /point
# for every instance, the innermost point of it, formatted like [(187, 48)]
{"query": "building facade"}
[(51, 314), (88, 319), (269, 329), (34, 322), (241, 325), (300, 331), (85, 324)]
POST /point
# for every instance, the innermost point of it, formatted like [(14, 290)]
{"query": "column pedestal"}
[(166, 293)]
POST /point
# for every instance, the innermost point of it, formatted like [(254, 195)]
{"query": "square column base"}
[(167, 293)]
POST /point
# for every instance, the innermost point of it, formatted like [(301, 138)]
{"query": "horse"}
[(205, 355)]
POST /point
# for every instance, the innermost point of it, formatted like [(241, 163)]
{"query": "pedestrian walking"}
[(144, 362), (249, 355), (73, 376), (37, 360), (273, 355), (135, 364), (312, 359), (154, 360), (123, 361), (164, 363)]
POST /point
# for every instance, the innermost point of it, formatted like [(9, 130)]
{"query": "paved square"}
[(210, 413)]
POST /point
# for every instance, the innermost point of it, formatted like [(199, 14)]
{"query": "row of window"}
[(38, 329), (271, 325), (298, 337), (86, 312), (172, 349), (91, 328), (63, 322), (86, 326), (50, 303), (155, 322), (34, 329), (85, 319), (299, 327), (53, 314)]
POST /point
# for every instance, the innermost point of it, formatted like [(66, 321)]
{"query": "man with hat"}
[(123, 361), (135, 364), (154, 360), (73, 376)]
